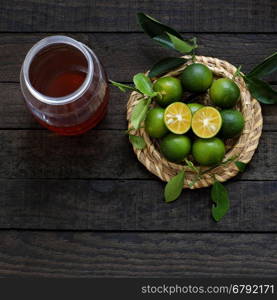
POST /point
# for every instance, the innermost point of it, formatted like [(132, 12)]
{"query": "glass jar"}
[(64, 85)]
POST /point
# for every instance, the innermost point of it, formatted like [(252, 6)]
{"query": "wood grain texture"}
[(80, 184), (124, 55), (105, 15), (67, 254), (14, 114), (99, 154), (131, 205)]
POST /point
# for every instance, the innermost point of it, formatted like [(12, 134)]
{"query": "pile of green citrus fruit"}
[(194, 129)]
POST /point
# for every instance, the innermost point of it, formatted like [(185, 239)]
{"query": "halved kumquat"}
[(177, 117), (206, 122)]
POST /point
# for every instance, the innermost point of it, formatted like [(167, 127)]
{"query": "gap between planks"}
[(139, 231)]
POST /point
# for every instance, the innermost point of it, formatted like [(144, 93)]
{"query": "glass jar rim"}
[(48, 41)]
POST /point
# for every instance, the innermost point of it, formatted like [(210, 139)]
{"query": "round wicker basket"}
[(242, 147)]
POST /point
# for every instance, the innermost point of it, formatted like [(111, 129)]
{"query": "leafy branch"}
[(260, 89), (168, 38), (123, 87), (144, 86), (165, 65), (223, 163), (199, 174), (219, 193), (165, 35)]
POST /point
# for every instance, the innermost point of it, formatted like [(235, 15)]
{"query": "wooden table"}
[(84, 206)]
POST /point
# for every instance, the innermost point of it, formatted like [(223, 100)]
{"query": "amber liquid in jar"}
[(58, 72)]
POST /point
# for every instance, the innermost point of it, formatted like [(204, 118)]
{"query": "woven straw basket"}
[(242, 147)]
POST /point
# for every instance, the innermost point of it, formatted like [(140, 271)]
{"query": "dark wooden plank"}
[(67, 254), (98, 154), (131, 205), (123, 55), (42, 154), (14, 114), (105, 15), (270, 115)]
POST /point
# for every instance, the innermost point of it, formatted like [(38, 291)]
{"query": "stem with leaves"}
[(144, 86), (170, 38), (260, 89), (219, 194)]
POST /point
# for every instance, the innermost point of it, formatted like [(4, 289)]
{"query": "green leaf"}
[(170, 41), (165, 65), (240, 165), (137, 141), (268, 66), (180, 45), (164, 40), (261, 90), (153, 27), (121, 86), (220, 198), (174, 187), (164, 35), (144, 84), (139, 112)]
